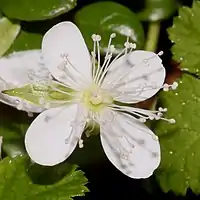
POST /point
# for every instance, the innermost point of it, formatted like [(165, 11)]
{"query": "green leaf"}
[(13, 126), (8, 33), (30, 10), (31, 35), (185, 34), (26, 41), (105, 18), (34, 92), (16, 183), (156, 10), (180, 142)]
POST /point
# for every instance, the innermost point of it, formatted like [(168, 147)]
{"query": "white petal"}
[(65, 38), (142, 74), (16, 70), (20, 104), (129, 145), (54, 134)]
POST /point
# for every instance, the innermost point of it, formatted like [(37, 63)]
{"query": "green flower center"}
[(96, 98)]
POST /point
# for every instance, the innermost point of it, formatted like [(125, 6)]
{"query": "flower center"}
[(95, 98)]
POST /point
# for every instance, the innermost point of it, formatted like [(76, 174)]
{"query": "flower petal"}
[(129, 145), (66, 39), (20, 104), (54, 134), (17, 70), (135, 77)]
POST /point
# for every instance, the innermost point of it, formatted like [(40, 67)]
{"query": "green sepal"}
[(33, 93)]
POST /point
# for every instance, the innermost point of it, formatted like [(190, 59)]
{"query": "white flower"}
[(131, 77)]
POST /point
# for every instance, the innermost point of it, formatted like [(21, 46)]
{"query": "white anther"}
[(133, 45), (160, 53), (80, 143), (98, 38), (94, 37), (155, 137), (143, 120), (160, 114), (174, 85), (113, 35), (127, 44), (162, 109), (172, 121), (165, 87), (151, 117)]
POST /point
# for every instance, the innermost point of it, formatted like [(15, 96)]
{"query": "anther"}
[(172, 121), (155, 137), (80, 143), (98, 38), (133, 45), (151, 117), (160, 53), (174, 85), (162, 109), (166, 87), (160, 114), (94, 37), (143, 120), (113, 35), (127, 44)]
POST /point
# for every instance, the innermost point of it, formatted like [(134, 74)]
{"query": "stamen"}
[(66, 61), (90, 127), (124, 51), (61, 91), (93, 53), (97, 40), (127, 45), (42, 75), (143, 114), (136, 91), (76, 83), (66, 85), (173, 86)]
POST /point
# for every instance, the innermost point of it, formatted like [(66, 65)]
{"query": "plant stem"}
[(152, 36)]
